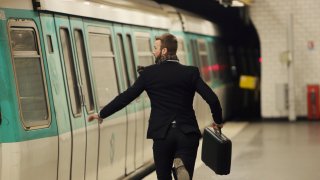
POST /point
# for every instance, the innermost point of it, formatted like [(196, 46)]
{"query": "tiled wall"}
[(272, 20)]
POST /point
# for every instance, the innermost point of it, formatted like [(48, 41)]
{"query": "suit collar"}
[(169, 60)]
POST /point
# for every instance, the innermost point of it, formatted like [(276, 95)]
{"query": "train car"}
[(61, 60)]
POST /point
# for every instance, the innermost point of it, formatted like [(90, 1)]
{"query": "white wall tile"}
[(271, 19)]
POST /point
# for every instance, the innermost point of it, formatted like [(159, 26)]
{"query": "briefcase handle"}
[(219, 130)]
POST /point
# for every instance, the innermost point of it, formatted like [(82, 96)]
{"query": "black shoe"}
[(181, 171)]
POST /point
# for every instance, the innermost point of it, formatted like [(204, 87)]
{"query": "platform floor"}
[(268, 151)]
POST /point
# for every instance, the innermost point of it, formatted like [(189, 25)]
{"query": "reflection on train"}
[(61, 60)]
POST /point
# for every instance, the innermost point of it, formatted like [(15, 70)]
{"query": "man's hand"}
[(94, 116), (217, 126)]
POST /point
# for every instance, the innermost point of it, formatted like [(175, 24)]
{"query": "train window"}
[(145, 60), (195, 54), (143, 44), (84, 71), (131, 71), (202, 46), (49, 42), (144, 50), (104, 67), (29, 74), (23, 40), (123, 61), (203, 59), (70, 72), (181, 51)]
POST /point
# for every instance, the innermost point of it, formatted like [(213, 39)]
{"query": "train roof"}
[(186, 21), (137, 12)]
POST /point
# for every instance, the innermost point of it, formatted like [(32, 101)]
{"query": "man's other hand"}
[(94, 116), (217, 126)]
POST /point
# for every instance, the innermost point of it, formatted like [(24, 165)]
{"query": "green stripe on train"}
[(11, 129)]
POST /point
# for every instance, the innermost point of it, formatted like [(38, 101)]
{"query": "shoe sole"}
[(182, 173)]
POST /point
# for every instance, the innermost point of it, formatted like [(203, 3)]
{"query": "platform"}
[(268, 151)]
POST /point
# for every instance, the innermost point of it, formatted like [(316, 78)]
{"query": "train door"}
[(74, 96), (73, 151), (59, 95), (205, 68), (126, 57), (214, 59), (204, 61), (88, 137), (194, 51), (107, 85), (143, 57), (196, 46)]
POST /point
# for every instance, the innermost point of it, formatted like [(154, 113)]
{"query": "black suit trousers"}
[(175, 144)]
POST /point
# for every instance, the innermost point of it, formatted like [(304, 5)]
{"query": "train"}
[(61, 60)]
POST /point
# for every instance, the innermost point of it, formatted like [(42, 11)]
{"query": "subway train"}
[(61, 60)]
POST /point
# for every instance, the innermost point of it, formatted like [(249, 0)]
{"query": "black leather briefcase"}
[(216, 151)]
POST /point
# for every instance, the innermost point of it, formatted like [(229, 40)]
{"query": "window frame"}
[(146, 36), (123, 57), (86, 67), (75, 112), (201, 53), (181, 51), (96, 30), (29, 24), (133, 64)]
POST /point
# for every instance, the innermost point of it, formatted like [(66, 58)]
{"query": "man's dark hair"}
[(168, 41)]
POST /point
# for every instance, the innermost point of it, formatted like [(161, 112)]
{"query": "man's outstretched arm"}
[(119, 102)]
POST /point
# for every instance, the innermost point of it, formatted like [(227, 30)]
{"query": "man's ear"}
[(164, 51)]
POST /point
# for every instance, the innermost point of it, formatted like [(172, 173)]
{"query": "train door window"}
[(203, 59), (214, 58), (84, 71), (73, 88), (195, 54), (131, 71), (123, 60), (29, 74), (144, 49), (49, 42), (104, 67), (181, 51)]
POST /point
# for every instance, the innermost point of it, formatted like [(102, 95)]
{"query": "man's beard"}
[(159, 58), (163, 57)]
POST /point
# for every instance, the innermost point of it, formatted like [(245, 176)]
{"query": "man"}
[(172, 125)]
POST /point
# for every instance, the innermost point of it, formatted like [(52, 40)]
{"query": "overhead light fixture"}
[(246, 2), (225, 3), (237, 4)]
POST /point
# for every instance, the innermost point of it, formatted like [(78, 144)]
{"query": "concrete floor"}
[(268, 151), (272, 151)]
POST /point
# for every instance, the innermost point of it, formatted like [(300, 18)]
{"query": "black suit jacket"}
[(171, 88)]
